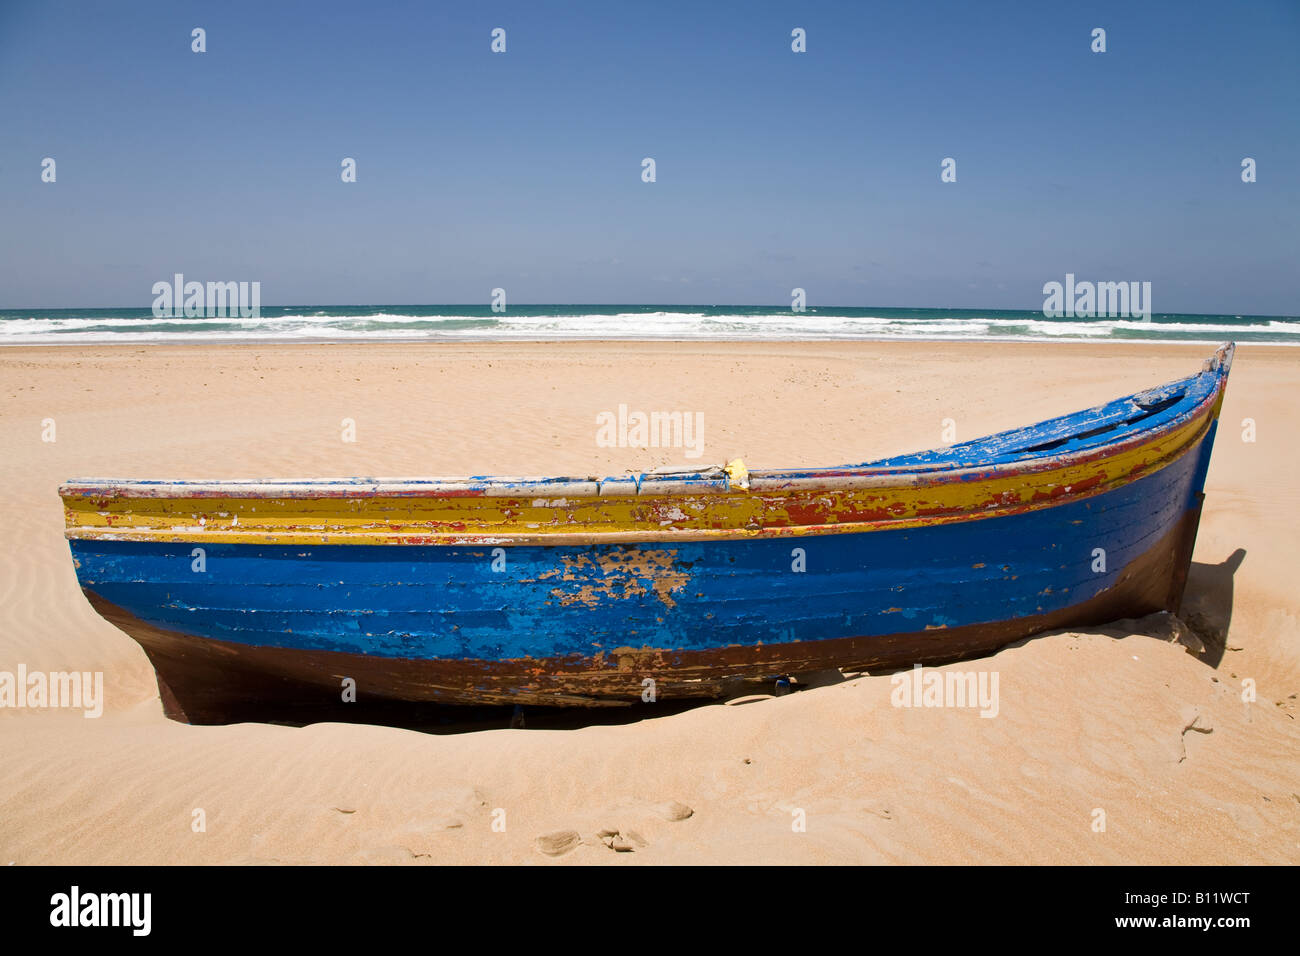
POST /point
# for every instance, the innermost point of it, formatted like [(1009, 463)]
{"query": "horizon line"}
[(642, 305)]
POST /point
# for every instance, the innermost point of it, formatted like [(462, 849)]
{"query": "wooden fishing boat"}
[(582, 591)]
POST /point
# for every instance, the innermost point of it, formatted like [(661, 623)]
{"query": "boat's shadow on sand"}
[(1202, 622), (1206, 612), (1207, 604), (448, 719)]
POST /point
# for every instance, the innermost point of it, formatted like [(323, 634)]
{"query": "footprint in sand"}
[(559, 843), (674, 811), (618, 839), (621, 842)]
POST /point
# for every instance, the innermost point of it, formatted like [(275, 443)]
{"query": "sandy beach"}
[(1122, 720)]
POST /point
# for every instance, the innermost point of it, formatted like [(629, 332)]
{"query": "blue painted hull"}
[(448, 603)]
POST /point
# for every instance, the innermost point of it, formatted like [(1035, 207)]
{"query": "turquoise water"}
[(460, 322)]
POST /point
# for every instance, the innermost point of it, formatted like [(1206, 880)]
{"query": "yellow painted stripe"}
[(522, 520)]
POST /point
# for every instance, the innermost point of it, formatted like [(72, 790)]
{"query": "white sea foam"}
[(388, 326)]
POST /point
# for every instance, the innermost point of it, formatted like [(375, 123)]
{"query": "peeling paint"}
[(626, 571)]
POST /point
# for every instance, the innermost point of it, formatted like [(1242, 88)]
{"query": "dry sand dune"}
[(1122, 720)]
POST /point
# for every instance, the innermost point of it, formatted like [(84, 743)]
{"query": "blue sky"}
[(774, 169)]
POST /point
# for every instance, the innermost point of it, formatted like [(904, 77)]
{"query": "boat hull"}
[(591, 624)]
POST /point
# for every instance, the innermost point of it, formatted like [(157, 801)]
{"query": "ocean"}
[(469, 323)]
